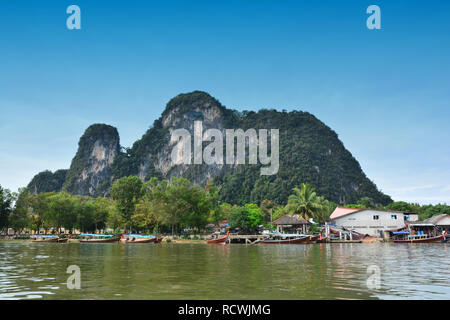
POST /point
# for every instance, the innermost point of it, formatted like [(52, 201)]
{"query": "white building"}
[(370, 221)]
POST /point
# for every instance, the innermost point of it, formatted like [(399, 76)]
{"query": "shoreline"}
[(178, 241), (187, 241)]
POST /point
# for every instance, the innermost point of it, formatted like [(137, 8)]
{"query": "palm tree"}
[(327, 208), (305, 202)]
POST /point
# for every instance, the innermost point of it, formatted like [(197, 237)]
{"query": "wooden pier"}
[(247, 238)]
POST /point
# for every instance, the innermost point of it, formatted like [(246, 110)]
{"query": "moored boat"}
[(137, 238), (44, 238), (98, 238), (288, 240), (323, 239), (314, 238), (420, 239), (218, 240), (63, 240)]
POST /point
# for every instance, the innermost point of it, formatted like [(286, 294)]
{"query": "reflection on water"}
[(198, 271)]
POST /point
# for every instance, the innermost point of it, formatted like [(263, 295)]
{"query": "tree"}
[(144, 217), (165, 205), (20, 219), (61, 211), (224, 212), (6, 201), (430, 210), (197, 206), (403, 206), (127, 192), (102, 207), (356, 206), (85, 215), (366, 202), (114, 219), (279, 212), (268, 208), (247, 218), (39, 211), (327, 208), (178, 201), (304, 202), (212, 193)]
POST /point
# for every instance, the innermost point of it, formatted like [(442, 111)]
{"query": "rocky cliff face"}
[(90, 171), (181, 113), (309, 152)]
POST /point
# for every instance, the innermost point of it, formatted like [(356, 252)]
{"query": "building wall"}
[(413, 217), (364, 222)]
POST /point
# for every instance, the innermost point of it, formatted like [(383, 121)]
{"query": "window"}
[(406, 217), (394, 217), (376, 217)]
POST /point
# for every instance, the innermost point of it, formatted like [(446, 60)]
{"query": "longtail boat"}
[(323, 240), (158, 239), (413, 239), (98, 238), (289, 240), (44, 238), (137, 238), (313, 238), (63, 240), (221, 240)]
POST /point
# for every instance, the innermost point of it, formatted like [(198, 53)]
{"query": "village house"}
[(291, 224), (434, 225), (372, 222)]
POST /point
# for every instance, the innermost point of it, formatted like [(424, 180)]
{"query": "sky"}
[(385, 92)]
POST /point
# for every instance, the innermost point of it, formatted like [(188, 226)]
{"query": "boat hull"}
[(99, 240), (324, 240), (314, 239), (46, 240), (215, 241), (286, 241), (150, 240), (423, 240)]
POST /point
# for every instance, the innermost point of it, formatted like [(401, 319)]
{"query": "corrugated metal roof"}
[(436, 219), (342, 211), (290, 220)]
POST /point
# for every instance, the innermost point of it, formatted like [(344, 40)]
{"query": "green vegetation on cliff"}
[(47, 181), (309, 152)]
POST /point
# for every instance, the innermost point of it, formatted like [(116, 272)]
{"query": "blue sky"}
[(385, 92)]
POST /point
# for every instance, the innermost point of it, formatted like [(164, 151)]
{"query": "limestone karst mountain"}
[(309, 152)]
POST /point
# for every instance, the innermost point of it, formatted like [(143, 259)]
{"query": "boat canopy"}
[(291, 235), (139, 235), (43, 236), (97, 235)]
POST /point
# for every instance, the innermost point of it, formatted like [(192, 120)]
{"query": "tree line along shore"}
[(176, 207)]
